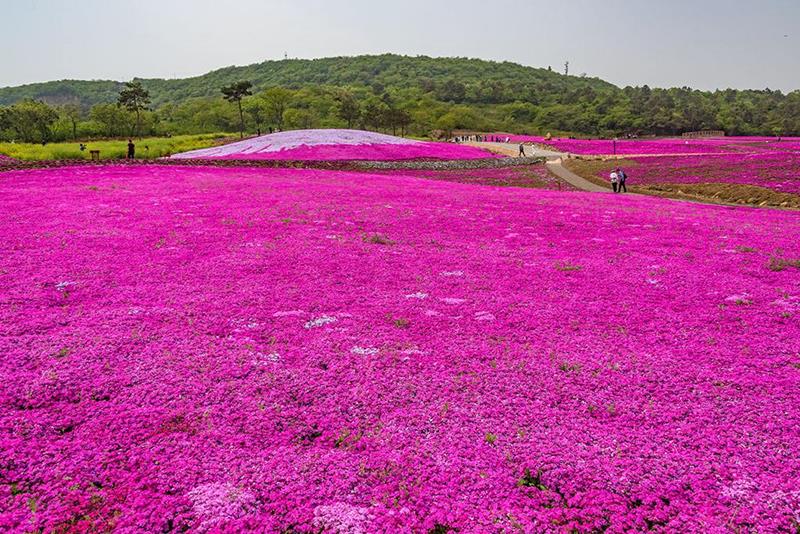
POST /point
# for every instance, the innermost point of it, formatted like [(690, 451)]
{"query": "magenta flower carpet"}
[(227, 350), (779, 171), (329, 145)]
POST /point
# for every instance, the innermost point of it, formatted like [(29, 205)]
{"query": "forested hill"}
[(415, 94), (449, 79)]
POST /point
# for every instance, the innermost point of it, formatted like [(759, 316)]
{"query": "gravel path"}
[(565, 174), (512, 149)]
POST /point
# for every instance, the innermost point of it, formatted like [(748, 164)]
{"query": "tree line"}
[(429, 107)]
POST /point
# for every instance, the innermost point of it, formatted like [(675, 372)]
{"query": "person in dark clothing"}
[(521, 150), (131, 150), (622, 178)]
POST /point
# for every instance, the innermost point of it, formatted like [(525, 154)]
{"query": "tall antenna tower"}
[(566, 68), (286, 55)]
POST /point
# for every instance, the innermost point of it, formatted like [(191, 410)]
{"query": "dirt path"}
[(553, 163), (567, 175), (512, 150)]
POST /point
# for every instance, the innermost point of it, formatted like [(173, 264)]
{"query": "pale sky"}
[(706, 44)]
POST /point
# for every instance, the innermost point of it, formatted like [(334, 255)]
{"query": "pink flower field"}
[(657, 146), (330, 145), (287, 350), (534, 176), (778, 171)]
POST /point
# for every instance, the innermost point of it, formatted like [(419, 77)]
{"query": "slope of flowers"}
[(533, 176), (662, 146), (300, 350), (778, 171), (326, 145)]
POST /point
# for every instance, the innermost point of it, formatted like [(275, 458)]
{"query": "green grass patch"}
[(146, 148)]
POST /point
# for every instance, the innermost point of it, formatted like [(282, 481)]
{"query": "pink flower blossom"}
[(187, 377)]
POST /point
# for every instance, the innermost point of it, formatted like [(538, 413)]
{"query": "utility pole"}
[(566, 68)]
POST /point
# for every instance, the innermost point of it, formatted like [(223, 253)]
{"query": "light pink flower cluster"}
[(286, 350), (328, 145)]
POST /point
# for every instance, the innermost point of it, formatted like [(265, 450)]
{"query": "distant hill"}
[(435, 94), (457, 79)]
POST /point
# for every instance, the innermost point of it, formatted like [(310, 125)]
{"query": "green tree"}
[(257, 109), (112, 120), (71, 113), (236, 92), (135, 98), (300, 118), (31, 120), (277, 100), (349, 109)]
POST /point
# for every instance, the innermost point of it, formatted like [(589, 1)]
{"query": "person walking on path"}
[(131, 150), (521, 150), (614, 180), (622, 178)]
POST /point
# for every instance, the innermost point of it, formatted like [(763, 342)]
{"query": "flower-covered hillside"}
[(301, 350), (326, 145)]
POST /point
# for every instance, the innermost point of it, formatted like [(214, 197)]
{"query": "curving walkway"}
[(553, 163), (512, 150), (567, 175)]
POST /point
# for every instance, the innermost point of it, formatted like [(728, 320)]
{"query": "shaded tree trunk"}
[(241, 120)]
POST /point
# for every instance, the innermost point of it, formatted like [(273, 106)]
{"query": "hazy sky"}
[(702, 43)]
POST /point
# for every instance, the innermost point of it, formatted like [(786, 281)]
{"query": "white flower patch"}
[(364, 351), (744, 297), (453, 301), (789, 303), (218, 502), (62, 286), (653, 281), (484, 316), (432, 313), (342, 518), (295, 313), (420, 295), (319, 321), (277, 142), (266, 359), (452, 273)]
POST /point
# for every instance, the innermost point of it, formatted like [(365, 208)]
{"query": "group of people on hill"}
[(618, 179)]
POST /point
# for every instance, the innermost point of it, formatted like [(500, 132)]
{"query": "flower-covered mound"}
[(670, 146), (299, 350), (327, 145)]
